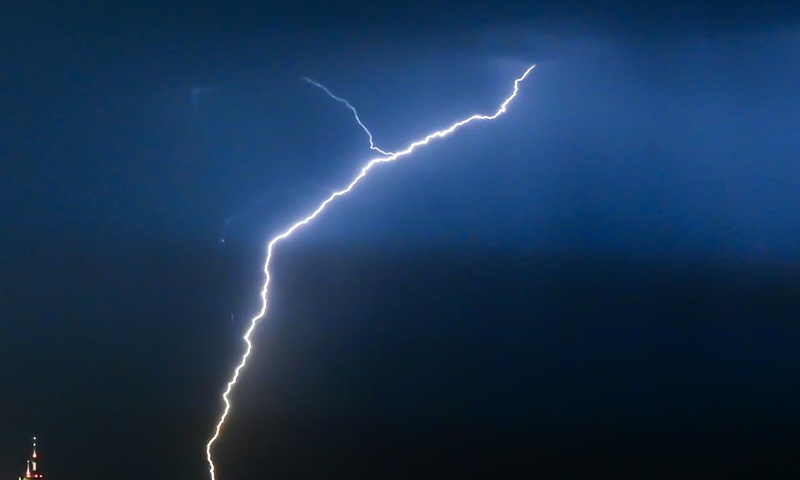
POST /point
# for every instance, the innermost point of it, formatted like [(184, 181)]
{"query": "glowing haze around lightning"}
[(389, 157)]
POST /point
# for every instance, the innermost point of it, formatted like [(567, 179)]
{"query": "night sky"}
[(604, 281)]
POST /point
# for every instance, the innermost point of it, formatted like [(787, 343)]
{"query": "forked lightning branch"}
[(385, 158)]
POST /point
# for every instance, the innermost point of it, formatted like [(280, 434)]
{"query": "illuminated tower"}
[(32, 471)]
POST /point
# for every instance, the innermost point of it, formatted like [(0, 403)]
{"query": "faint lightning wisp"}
[(283, 190), (197, 91), (352, 109), (306, 220)]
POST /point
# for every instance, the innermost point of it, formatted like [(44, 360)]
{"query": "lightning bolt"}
[(389, 157), (352, 109)]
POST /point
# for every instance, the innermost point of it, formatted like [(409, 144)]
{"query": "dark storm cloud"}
[(238, 19), (608, 274)]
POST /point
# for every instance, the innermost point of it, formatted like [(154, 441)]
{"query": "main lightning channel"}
[(390, 157), (352, 109)]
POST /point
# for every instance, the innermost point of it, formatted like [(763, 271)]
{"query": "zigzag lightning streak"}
[(390, 157)]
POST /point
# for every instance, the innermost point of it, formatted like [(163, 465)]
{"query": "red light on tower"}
[(32, 469)]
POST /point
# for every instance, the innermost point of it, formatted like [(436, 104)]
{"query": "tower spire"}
[(32, 470)]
